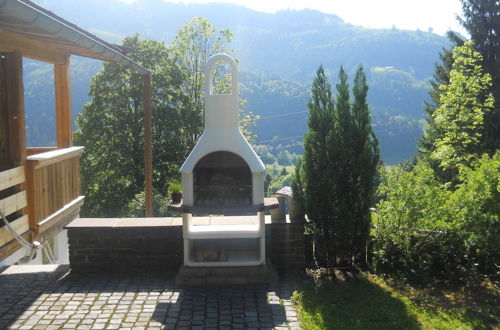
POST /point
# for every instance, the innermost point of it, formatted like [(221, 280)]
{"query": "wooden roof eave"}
[(33, 30)]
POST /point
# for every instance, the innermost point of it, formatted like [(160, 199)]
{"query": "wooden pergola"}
[(28, 30)]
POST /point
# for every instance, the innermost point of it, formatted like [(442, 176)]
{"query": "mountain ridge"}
[(289, 46)]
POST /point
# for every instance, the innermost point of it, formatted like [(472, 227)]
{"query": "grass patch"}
[(372, 303)]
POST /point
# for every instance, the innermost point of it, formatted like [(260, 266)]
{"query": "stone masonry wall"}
[(125, 249), (285, 245), (141, 245)]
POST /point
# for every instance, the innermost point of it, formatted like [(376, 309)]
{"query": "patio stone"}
[(62, 300)]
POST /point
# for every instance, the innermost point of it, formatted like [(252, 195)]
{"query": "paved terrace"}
[(50, 297)]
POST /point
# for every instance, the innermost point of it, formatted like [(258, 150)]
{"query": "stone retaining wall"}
[(144, 244), (285, 245)]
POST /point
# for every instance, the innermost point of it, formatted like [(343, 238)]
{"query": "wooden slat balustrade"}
[(53, 179), (13, 203)]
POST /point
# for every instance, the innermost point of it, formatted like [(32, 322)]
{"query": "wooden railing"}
[(12, 204), (53, 180), (37, 150)]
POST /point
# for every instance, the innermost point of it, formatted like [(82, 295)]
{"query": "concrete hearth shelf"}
[(269, 204), (223, 231)]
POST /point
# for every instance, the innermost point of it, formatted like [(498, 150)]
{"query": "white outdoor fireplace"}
[(223, 186)]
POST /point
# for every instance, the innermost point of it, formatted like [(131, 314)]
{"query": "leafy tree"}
[(284, 172), (482, 21), (135, 207), (410, 220), (463, 105), (426, 231), (111, 129), (267, 182), (265, 155), (194, 44), (111, 123), (441, 76), (476, 212)]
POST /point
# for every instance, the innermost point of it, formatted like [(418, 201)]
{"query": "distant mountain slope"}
[(289, 44), (279, 54)]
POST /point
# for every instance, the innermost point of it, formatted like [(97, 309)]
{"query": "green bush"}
[(137, 206), (174, 187), (476, 212), (426, 230)]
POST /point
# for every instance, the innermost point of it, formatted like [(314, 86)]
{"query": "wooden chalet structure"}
[(40, 187)]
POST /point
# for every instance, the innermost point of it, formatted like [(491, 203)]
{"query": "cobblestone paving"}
[(58, 300)]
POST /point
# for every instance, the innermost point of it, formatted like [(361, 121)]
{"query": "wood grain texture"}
[(12, 246), (60, 215), (35, 49), (13, 203), (20, 225), (38, 150), (15, 108), (62, 83), (56, 184), (11, 177), (54, 156)]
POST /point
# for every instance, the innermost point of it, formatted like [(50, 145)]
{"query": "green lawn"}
[(370, 303)]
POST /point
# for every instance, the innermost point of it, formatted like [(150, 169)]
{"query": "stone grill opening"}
[(222, 179)]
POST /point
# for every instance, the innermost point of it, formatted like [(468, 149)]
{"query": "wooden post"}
[(148, 147), (15, 108), (30, 194), (63, 104), (14, 89)]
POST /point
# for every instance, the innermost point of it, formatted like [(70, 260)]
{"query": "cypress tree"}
[(316, 182), (335, 179), (340, 155), (365, 152), (354, 156)]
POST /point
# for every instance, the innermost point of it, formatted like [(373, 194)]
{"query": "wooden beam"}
[(13, 246), (13, 203), (11, 177), (15, 108), (4, 121), (35, 49), (38, 150), (148, 147), (20, 225), (62, 82), (55, 156), (61, 216)]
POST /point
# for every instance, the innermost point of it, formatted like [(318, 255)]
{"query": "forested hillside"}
[(278, 55)]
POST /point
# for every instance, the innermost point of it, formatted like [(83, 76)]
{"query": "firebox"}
[(223, 186), (222, 179)]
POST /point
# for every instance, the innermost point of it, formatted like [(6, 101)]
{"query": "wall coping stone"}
[(143, 222)]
